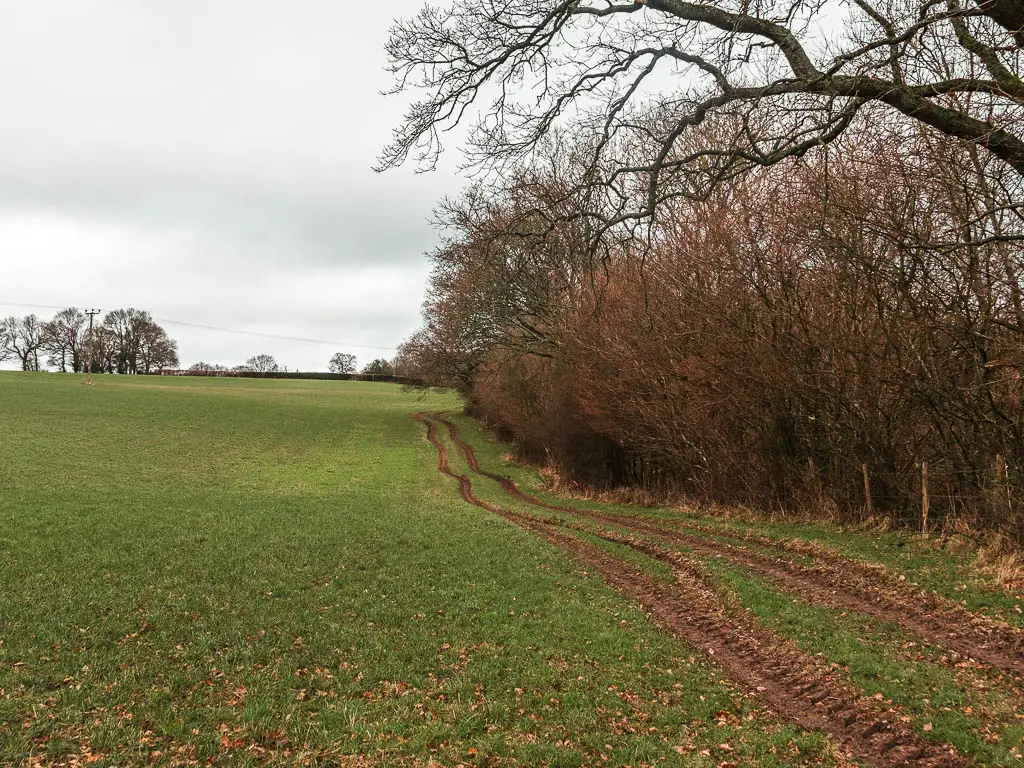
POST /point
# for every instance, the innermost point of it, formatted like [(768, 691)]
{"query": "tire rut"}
[(796, 686), (836, 582)]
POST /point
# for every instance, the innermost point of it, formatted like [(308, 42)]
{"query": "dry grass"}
[(822, 508), (1002, 559), (556, 483)]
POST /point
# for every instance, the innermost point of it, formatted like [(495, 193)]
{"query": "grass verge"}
[(246, 572)]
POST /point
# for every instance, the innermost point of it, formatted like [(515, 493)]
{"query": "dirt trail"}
[(796, 686), (834, 581)]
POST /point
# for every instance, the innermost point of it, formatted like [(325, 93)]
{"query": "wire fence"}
[(928, 495)]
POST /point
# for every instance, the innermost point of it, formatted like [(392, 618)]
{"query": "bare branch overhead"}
[(769, 80)]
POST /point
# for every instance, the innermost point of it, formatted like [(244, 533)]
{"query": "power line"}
[(230, 330), (34, 306), (270, 335)]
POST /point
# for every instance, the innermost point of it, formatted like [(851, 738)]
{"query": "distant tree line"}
[(340, 363), (126, 341), (262, 363)]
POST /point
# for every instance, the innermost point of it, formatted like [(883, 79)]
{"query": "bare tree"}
[(127, 327), (341, 362), (379, 367), (23, 338), (156, 349), (135, 343), (102, 350), (5, 345), (260, 363), (65, 340), (764, 81)]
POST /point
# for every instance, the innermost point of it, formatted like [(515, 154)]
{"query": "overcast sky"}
[(209, 161)]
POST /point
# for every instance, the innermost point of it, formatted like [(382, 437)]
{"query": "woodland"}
[(762, 254)]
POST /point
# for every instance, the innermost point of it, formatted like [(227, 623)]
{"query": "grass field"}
[(246, 572)]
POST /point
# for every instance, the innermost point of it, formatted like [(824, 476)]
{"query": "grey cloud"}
[(317, 220), (211, 162)]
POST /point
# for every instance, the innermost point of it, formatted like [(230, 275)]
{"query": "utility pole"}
[(91, 313)]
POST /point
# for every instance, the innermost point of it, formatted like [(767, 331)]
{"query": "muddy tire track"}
[(793, 684), (837, 582)]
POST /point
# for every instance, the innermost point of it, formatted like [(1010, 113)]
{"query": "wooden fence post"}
[(924, 497), (997, 488), (867, 491), (1010, 515)]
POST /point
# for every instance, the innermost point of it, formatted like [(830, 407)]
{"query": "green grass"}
[(241, 572), (944, 568)]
